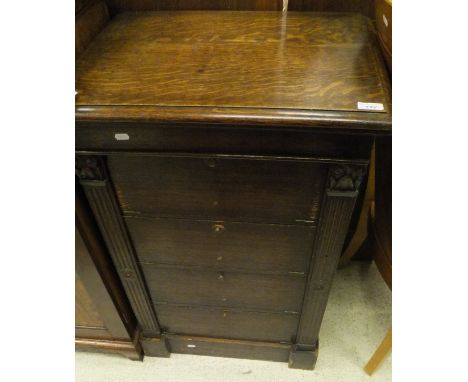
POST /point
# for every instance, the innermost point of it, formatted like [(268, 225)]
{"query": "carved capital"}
[(345, 177), (89, 167)]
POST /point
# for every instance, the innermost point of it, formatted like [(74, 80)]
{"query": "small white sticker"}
[(191, 346), (122, 137), (370, 106), (385, 21)]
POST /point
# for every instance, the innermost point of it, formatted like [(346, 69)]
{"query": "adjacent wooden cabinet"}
[(222, 154), (104, 320), (383, 23)]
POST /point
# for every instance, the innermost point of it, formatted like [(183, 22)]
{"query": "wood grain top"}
[(232, 63)]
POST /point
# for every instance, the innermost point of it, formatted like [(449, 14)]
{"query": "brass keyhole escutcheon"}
[(211, 162), (218, 228), (220, 276)]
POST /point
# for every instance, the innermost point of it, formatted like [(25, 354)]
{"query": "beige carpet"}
[(358, 316)]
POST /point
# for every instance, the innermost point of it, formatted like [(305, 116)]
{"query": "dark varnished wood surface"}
[(383, 24), (93, 262), (81, 4), (96, 314), (242, 119), (222, 245), (228, 323), (381, 225), (86, 314), (104, 320), (218, 188), (339, 121), (131, 350), (215, 139), (228, 289), (222, 347), (179, 5), (362, 6), (230, 62), (91, 18)]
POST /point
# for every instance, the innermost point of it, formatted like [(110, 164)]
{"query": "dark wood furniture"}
[(359, 242), (361, 6), (91, 16), (104, 320), (383, 23), (117, 6), (222, 154), (381, 223), (381, 233)]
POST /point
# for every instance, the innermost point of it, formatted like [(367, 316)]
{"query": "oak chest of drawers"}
[(222, 154)]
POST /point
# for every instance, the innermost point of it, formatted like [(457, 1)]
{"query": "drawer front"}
[(98, 136), (244, 246), (218, 188), (230, 289), (227, 323)]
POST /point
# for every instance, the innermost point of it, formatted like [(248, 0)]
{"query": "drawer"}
[(228, 323), (230, 289), (218, 187), (245, 246), (215, 139)]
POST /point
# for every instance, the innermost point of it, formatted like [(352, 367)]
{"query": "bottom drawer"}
[(228, 323)]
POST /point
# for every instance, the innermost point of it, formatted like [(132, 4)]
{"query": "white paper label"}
[(385, 21), (122, 137), (370, 106), (191, 346)]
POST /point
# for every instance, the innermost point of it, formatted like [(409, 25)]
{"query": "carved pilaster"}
[(93, 177), (338, 204)]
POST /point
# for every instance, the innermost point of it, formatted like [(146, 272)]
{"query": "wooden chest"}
[(222, 154)]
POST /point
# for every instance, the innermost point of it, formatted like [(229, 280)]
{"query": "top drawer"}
[(218, 187)]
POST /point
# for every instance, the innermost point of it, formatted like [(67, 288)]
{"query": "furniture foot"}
[(155, 346), (303, 357)]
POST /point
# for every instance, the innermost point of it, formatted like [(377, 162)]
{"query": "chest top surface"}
[(219, 64)]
